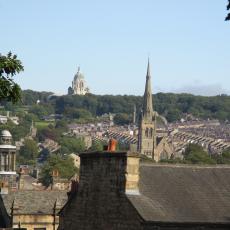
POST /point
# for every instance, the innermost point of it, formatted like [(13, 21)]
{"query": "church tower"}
[(147, 126)]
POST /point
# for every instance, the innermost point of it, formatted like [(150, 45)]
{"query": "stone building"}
[(115, 193), (78, 85), (149, 144), (31, 210), (7, 162)]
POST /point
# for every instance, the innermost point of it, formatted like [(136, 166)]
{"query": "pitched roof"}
[(171, 193), (34, 202)]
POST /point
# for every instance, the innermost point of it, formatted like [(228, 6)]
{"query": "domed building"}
[(78, 85), (7, 162)]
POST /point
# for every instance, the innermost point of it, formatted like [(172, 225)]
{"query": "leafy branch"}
[(9, 67), (228, 8)]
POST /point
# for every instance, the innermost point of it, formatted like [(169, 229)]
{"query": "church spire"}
[(147, 105)]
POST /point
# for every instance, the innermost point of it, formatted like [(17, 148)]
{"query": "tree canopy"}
[(29, 152), (10, 65), (65, 167), (196, 155)]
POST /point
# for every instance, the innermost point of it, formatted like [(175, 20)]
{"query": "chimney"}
[(112, 145), (132, 173), (103, 173)]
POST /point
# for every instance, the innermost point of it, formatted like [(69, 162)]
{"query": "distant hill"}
[(170, 105)]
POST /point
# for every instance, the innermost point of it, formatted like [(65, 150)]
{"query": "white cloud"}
[(200, 89)]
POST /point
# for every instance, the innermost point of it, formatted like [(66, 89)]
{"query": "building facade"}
[(7, 163), (30, 209), (78, 85)]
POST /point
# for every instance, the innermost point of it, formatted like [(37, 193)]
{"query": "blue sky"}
[(187, 41)]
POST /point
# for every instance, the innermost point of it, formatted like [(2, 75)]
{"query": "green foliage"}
[(170, 105), (65, 167), (97, 146), (28, 152), (61, 124), (228, 8), (47, 132), (43, 124), (196, 155), (9, 66), (173, 161), (17, 131), (85, 108), (223, 158), (41, 110), (30, 97), (75, 113), (72, 145), (122, 119)]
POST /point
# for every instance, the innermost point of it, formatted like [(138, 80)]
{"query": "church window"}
[(146, 132), (151, 132)]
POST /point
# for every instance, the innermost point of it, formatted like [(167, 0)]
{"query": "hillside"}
[(170, 105)]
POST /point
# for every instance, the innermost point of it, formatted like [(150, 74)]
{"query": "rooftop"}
[(183, 193), (34, 202)]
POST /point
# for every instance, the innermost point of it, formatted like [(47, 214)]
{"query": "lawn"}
[(42, 124)]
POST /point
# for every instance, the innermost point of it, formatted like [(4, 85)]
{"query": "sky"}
[(187, 43)]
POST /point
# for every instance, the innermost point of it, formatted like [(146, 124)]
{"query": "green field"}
[(42, 124)]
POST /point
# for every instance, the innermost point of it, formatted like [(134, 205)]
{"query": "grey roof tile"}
[(34, 202), (184, 194)]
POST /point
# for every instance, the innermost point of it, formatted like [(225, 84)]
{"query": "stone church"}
[(149, 143), (78, 85)]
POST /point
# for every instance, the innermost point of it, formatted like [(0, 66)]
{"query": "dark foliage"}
[(64, 166), (85, 108), (228, 8), (9, 67), (170, 105)]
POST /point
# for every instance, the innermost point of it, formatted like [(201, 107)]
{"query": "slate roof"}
[(171, 193), (34, 202)]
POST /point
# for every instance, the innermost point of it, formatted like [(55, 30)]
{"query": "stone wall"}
[(30, 222)]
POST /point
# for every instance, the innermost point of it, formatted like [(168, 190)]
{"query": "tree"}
[(122, 119), (223, 158), (28, 152), (96, 146), (196, 155), (9, 66), (72, 145), (47, 132), (228, 8), (64, 166)]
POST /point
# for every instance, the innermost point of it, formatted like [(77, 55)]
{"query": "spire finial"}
[(148, 68)]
